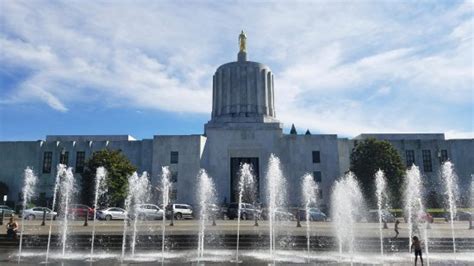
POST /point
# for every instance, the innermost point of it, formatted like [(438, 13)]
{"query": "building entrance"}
[(235, 164)]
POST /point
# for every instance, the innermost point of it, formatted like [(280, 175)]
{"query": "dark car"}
[(315, 214), (283, 215), (247, 211), (460, 216), (373, 216)]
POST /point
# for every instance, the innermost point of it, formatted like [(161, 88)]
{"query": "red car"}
[(80, 210)]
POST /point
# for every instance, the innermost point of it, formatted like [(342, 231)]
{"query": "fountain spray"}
[(205, 197), (451, 192), (276, 195), (165, 194), (67, 187), (30, 181), (380, 184), (346, 202), (309, 190), (61, 171), (100, 189), (246, 184)]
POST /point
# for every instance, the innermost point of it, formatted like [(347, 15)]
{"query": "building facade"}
[(243, 129)]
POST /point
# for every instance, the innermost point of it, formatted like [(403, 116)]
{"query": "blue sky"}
[(145, 67)]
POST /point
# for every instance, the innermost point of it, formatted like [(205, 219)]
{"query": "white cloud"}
[(339, 67)]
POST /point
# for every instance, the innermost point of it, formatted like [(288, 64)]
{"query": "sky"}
[(145, 68)]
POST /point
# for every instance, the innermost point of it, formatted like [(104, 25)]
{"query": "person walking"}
[(397, 222), (416, 245)]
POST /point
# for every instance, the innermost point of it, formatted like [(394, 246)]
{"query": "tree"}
[(367, 158), (293, 130), (119, 168), (3, 189)]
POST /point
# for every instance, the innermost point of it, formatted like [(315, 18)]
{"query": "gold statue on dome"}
[(243, 42)]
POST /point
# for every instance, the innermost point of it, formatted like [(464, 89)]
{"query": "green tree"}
[(119, 168), (367, 158)]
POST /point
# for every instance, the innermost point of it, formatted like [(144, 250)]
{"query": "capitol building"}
[(243, 128)]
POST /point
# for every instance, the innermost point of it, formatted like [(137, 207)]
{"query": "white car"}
[(113, 213), (38, 212), (180, 211), (148, 211)]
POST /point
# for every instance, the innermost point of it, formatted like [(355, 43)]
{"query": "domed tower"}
[(242, 91)]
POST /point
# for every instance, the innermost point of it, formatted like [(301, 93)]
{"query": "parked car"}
[(7, 211), (283, 215), (38, 213), (113, 213), (247, 211), (217, 211), (181, 211), (79, 211), (315, 214), (148, 212), (460, 216), (373, 216)]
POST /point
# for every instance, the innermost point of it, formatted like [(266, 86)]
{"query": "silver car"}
[(113, 213), (38, 212), (149, 211), (7, 211)]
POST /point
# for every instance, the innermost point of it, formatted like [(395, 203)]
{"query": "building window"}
[(316, 157), (174, 157), (427, 167), (443, 156), (317, 176), (320, 193), (47, 160), (410, 157), (174, 195), (174, 177), (80, 160), (64, 158)]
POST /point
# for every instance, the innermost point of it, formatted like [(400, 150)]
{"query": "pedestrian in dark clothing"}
[(416, 245), (397, 222)]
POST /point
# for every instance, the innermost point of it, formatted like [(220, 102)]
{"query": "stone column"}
[(265, 89), (228, 90), (214, 98), (219, 92)]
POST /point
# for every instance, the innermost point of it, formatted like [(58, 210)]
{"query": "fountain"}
[(451, 192), (246, 184), (414, 206), (61, 171), (100, 189), (380, 185), (346, 202), (66, 190), (276, 195), (138, 193), (309, 190), (29, 184), (205, 197), (165, 195)]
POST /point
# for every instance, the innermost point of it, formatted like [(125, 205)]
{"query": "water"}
[(100, 189), (347, 203), (61, 171), (205, 197), (276, 195), (414, 207), (29, 184), (380, 186), (138, 193), (309, 189), (451, 192), (246, 186), (165, 195), (66, 191)]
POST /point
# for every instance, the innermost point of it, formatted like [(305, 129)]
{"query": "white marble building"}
[(243, 128)]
